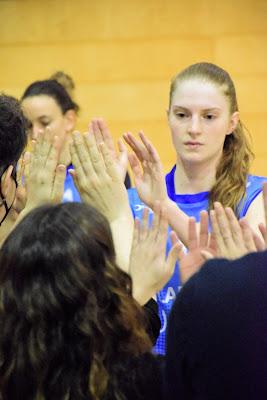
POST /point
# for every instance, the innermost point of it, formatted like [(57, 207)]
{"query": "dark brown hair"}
[(66, 312)]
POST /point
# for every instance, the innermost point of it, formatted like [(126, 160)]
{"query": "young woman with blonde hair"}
[(213, 161)]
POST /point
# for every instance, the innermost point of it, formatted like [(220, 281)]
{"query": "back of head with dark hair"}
[(66, 312), (52, 88), (13, 136)]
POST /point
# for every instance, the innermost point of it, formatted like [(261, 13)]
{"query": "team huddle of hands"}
[(98, 173)]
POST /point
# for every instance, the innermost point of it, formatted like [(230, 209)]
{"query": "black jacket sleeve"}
[(153, 320)]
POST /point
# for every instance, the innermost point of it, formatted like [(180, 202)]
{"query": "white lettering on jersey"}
[(140, 207), (68, 195), (170, 295), (163, 321)]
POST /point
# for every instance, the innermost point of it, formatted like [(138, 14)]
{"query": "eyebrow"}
[(204, 109)]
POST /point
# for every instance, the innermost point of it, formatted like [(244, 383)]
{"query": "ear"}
[(6, 180), (233, 122), (70, 118)]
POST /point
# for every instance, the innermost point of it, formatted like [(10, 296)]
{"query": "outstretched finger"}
[(204, 229), (46, 143), (79, 156), (138, 148), (52, 157), (136, 168), (234, 225), (106, 136), (20, 170), (192, 234), (223, 224), (95, 155), (247, 236), (160, 226), (154, 156), (59, 181), (175, 254), (94, 129), (109, 163), (122, 158), (216, 233)]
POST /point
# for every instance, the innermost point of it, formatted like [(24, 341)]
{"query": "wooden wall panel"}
[(65, 20), (122, 55), (243, 55), (106, 61)]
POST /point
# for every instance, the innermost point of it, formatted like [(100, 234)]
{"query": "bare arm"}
[(100, 184), (255, 214), (150, 183)]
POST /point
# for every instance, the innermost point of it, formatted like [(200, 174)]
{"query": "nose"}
[(194, 127), (36, 130)]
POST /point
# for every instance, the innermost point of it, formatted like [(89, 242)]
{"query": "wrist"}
[(142, 295)]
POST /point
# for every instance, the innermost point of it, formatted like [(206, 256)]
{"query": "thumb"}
[(206, 255), (175, 254)]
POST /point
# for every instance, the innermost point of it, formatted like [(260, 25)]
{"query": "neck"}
[(193, 178)]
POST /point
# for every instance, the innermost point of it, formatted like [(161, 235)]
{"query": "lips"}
[(193, 143)]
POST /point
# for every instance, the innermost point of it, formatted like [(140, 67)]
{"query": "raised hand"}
[(97, 176), (149, 268), (233, 239), (200, 247), (45, 178), (21, 192), (147, 170), (100, 130)]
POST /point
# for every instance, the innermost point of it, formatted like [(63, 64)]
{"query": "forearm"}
[(177, 219), (142, 294), (122, 233)]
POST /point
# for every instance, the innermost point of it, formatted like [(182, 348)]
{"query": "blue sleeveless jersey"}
[(190, 204)]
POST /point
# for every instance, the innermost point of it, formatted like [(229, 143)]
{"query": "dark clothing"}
[(127, 181), (217, 333), (153, 320), (139, 378)]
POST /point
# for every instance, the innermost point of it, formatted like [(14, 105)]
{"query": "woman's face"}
[(43, 111), (200, 119)]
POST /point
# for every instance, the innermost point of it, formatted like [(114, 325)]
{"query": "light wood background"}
[(122, 55)]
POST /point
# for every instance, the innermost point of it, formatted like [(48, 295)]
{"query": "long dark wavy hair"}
[(67, 315)]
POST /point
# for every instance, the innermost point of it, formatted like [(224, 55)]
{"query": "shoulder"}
[(253, 189), (221, 284), (219, 323)]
